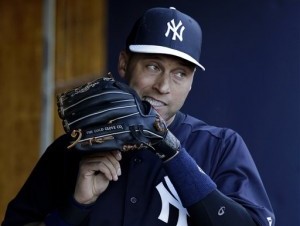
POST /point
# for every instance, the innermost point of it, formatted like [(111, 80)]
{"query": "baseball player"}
[(134, 158)]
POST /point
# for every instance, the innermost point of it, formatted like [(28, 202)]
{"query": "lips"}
[(155, 103)]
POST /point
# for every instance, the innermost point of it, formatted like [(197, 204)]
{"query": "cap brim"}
[(163, 50)]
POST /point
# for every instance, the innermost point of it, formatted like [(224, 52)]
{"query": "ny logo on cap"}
[(174, 28)]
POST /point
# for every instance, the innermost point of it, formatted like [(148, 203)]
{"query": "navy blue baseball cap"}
[(167, 31)]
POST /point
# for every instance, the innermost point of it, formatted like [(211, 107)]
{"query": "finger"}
[(117, 155), (114, 157), (92, 168), (108, 170), (113, 164), (106, 164)]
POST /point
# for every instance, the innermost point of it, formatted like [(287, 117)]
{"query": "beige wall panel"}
[(80, 44), (20, 78), (80, 56)]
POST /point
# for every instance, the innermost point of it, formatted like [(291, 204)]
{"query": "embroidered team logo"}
[(176, 29), (168, 199), (269, 219)]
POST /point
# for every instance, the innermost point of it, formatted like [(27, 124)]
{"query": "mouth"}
[(155, 103)]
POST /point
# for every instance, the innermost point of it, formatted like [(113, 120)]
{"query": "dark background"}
[(251, 52)]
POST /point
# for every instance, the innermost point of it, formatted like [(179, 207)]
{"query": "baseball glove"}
[(105, 115)]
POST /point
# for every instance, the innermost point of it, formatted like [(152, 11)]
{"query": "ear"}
[(123, 59)]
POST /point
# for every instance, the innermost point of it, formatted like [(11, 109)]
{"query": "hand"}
[(95, 173)]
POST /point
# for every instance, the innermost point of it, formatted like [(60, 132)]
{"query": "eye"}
[(153, 68), (179, 75)]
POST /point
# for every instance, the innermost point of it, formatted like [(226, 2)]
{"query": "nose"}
[(162, 84)]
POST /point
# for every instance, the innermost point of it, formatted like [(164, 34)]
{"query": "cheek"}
[(179, 96), (179, 100), (140, 85)]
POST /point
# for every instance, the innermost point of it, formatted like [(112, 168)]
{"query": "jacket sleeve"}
[(239, 190), (217, 209), (44, 190), (237, 177), (198, 193)]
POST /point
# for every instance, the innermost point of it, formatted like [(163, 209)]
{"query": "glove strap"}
[(168, 148)]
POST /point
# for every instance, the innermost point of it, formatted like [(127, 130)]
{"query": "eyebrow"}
[(179, 60)]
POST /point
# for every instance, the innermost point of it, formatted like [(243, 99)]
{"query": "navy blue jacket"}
[(144, 195)]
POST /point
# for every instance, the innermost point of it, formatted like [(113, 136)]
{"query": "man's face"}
[(162, 80)]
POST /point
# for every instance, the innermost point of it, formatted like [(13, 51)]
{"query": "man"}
[(210, 180)]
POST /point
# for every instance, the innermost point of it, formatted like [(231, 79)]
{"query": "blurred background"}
[(251, 52)]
